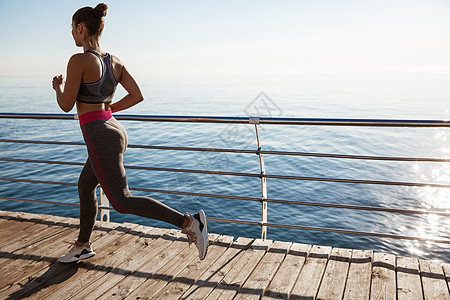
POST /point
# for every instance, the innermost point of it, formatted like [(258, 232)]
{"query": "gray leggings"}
[(106, 142)]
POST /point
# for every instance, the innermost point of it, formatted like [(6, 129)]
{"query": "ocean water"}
[(378, 96)]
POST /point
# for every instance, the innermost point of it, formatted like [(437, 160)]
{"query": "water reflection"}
[(432, 226), (436, 198)]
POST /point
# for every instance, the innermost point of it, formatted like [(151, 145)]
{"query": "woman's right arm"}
[(134, 92)]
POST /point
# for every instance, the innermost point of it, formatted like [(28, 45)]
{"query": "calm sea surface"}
[(380, 96)]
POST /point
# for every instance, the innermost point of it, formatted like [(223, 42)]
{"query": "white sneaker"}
[(77, 253), (197, 232)]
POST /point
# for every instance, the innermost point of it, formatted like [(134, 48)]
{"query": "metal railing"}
[(263, 199)]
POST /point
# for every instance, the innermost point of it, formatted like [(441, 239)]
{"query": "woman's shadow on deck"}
[(57, 273)]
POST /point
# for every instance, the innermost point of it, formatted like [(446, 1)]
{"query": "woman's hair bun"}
[(100, 10)]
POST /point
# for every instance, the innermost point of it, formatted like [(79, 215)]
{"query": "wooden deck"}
[(139, 262)]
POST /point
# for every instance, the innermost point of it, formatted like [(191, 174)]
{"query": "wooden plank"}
[(237, 276), (3, 212), (214, 275), (90, 270), (259, 280), (40, 257), (60, 222), (29, 232), (446, 268), (23, 268), (42, 260), (145, 248), (28, 236), (187, 278), (409, 285), (15, 265), (16, 259), (335, 276), (433, 280), (18, 215), (3, 223), (284, 279), (168, 272), (28, 217), (12, 231), (359, 275), (34, 235), (308, 282), (384, 285), (171, 244), (48, 271)]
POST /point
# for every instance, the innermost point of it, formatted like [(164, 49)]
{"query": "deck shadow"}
[(40, 221), (57, 273)]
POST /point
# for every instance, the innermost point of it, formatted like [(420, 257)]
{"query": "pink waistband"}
[(94, 116)]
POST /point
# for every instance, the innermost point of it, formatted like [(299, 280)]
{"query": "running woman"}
[(92, 78)]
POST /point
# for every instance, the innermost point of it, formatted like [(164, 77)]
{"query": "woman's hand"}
[(58, 83)]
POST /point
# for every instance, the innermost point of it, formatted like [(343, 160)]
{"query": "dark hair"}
[(92, 19)]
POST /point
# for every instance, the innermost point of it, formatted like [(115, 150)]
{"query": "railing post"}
[(104, 202), (255, 121)]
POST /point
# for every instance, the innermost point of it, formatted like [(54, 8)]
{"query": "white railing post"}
[(255, 121), (104, 202)]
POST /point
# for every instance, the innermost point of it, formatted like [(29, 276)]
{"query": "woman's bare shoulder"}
[(117, 67), (81, 58), (116, 60), (77, 62), (77, 57)]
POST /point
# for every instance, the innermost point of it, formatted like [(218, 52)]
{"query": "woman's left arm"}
[(66, 94)]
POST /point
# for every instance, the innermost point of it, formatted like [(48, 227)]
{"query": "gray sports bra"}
[(101, 91)]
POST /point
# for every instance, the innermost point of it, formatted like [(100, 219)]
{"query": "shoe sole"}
[(75, 259), (202, 216)]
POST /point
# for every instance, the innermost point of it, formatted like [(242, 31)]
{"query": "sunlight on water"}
[(414, 247), (436, 198), (432, 198)]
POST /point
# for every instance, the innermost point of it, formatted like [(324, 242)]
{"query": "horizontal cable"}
[(367, 208), (38, 181), (41, 161), (40, 202), (227, 150), (377, 182), (41, 142), (37, 116), (396, 183), (134, 167), (52, 203), (261, 120), (105, 207), (193, 149), (363, 157), (248, 120), (381, 235), (303, 203)]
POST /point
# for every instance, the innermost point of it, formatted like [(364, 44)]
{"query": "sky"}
[(230, 38)]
